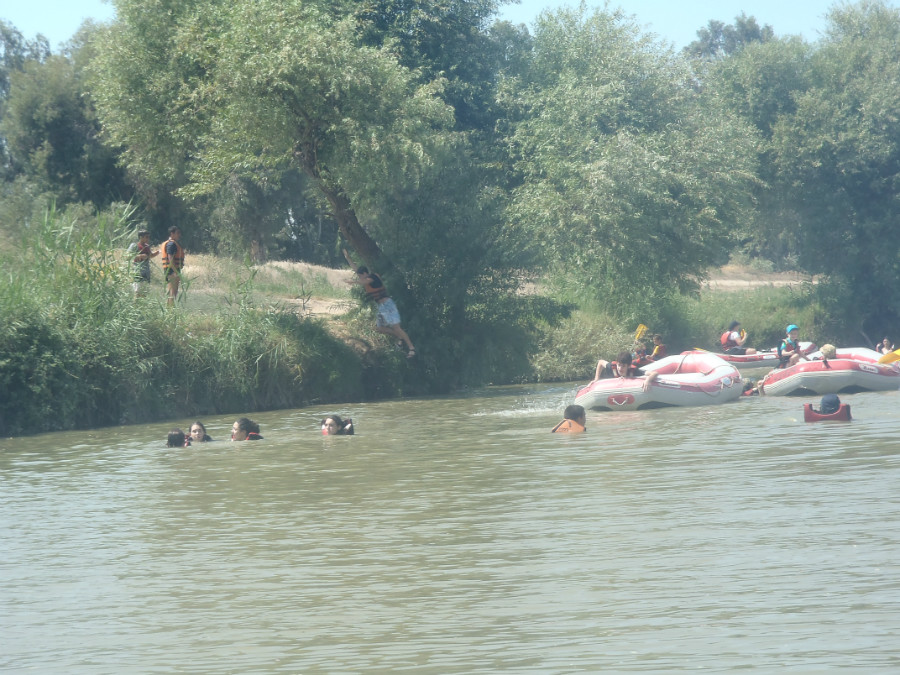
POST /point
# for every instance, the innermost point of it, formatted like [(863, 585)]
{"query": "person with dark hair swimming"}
[(333, 425), (245, 429), (198, 433), (574, 420), (177, 439)]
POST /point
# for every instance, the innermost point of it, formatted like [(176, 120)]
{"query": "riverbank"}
[(79, 351)]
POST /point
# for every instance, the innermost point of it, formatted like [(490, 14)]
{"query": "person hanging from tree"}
[(387, 320)]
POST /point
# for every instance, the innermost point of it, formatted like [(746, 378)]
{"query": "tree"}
[(15, 51), (762, 83), (718, 40), (632, 181), (838, 156), (52, 135)]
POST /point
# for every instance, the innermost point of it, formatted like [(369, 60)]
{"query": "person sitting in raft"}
[(333, 425), (884, 347), (622, 367), (640, 357), (733, 340), (198, 433), (245, 429), (177, 439), (659, 349), (789, 350), (573, 422), (827, 352)]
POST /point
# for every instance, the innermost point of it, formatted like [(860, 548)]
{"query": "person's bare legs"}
[(397, 331), (172, 289)]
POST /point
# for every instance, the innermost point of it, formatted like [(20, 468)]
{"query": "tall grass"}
[(570, 351), (77, 350)]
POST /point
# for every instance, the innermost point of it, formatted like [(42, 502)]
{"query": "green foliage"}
[(52, 134), (77, 350), (838, 159), (571, 350), (717, 40), (622, 162)]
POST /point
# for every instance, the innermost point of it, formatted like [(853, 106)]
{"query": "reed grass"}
[(77, 350)]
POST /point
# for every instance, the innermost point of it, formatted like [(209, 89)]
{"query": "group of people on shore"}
[(387, 319), (172, 262)]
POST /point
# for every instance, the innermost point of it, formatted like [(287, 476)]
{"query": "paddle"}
[(640, 332), (890, 357)]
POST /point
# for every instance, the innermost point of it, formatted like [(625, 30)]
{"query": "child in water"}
[(573, 422)]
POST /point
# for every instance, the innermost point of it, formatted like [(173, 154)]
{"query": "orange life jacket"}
[(568, 427), (178, 259), (376, 293), (727, 342)]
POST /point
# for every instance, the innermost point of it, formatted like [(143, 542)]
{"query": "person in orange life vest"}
[(573, 421), (733, 343), (173, 263), (659, 349), (622, 367), (245, 429), (387, 319), (885, 347), (789, 350)]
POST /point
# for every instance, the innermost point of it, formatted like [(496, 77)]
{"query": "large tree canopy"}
[(631, 179), (838, 156)]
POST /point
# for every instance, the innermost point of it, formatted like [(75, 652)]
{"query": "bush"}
[(77, 350)]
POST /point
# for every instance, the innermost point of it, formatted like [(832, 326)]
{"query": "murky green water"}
[(459, 535)]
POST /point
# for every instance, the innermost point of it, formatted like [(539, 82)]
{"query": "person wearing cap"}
[(789, 353), (733, 340), (830, 404)]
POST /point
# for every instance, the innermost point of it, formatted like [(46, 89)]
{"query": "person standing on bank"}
[(173, 263), (141, 259), (387, 320)]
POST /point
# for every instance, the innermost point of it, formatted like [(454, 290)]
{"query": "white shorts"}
[(388, 314)]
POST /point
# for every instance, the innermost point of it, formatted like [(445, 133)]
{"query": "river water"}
[(458, 535)]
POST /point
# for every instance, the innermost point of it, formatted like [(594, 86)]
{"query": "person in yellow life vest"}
[(173, 263), (574, 421)]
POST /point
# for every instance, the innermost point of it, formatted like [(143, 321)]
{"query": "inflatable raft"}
[(834, 376), (688, 379), (762, 359)]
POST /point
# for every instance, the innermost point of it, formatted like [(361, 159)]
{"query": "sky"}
[(672, 22)]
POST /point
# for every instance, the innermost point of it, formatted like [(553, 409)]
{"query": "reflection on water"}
[(459, 535)]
